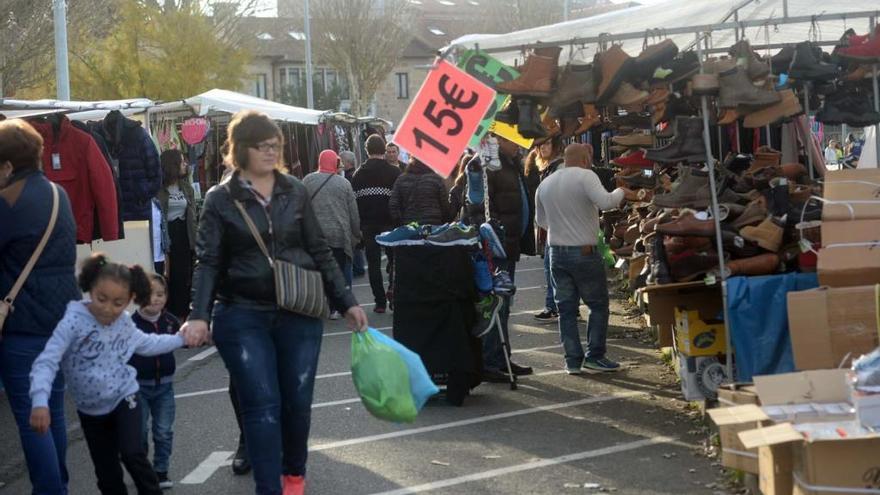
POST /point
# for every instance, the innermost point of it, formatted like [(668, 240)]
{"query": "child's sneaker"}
[(502, 283), (474, 181), (489, 154), (405, 235), (164, 482), (487, 233), (456, 235), (487, 315)]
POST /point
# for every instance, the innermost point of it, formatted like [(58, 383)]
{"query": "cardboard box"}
[(662, 300), (827, 458), (852, 185), (827, 325), (738, 394), (851, 253), (774, 469), (694, 337), (731, 421)]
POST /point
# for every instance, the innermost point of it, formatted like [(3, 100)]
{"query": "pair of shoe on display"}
[(413, 234)]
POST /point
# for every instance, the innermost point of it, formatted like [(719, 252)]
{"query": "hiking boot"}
[(591, 119), (681, 67), (789, 106), (688, 225), (529, 123), (686, 146), (762, 264), (768, 234), (635, 139), (633, 159), (547, 316), (487, 315), (537, 76), (754, 213), (737, 90), (862, 48), (602, 364), (706, 84), (638, 181), (765, 157), (576, 84), (612, 67), (652, 57), (688, 183), (628, 96), (509, 113), (806, 65), (659, 267), (240, 463), (782, 60), (691, 265), (755, 67), (456, 235)]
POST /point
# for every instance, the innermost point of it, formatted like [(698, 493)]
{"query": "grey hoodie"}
[(94, 359)]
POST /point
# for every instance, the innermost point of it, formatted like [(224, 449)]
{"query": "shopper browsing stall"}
[(568, 205), (419, 195), (177, 200)]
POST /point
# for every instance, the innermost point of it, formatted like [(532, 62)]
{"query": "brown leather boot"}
[(765, 157), (654, 56), (537, 76), (612, 66), (705, 84), (793, 171), (688, 225), (628, 96), (755, 212), (762, 264), (636, 139), (768, 234), (591, 118), (788, 107), (576, 83), (756, 67), (728, 116), (737, 90)]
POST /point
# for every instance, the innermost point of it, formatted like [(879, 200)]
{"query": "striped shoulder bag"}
[(296, 289)]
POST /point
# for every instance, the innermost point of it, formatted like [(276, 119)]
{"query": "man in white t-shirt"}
[(567, 206)]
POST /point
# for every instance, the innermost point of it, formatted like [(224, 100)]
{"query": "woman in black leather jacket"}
[(271, 354)]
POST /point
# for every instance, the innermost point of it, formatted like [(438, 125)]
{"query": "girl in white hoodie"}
[(93, 344)]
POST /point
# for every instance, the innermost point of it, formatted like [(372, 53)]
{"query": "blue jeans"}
[(493, 352), (273, 357), (44, 453), (580, 277), (359, 263), (158, 401), (549, 299)]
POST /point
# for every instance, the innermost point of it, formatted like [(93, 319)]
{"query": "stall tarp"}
[(758, 309), (668, 14), (77, 106), (221, 100)]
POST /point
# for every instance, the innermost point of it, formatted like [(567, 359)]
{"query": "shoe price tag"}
[(56, 161), (620, 263), (805, 245), (710, 279)]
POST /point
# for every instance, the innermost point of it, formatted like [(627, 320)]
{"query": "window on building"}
[(290, 76), (260, 86), (403, 85)]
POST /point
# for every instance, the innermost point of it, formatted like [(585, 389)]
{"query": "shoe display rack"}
[(666, 117)]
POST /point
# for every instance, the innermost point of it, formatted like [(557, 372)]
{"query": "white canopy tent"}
[(763, 21), (221, 100), (77, 106)]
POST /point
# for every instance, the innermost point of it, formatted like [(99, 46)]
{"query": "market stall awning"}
[(665, 16), (221, 100), (76, 106)]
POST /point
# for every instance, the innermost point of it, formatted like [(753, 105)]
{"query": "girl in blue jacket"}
[(93, 344)]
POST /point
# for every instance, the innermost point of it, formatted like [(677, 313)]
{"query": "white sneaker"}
[(489, 154), (335, 315)]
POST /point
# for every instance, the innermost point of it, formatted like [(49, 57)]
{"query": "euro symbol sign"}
[(454, 97)]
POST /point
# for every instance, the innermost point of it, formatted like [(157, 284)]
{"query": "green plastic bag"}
[(604, 250), (381, 378)]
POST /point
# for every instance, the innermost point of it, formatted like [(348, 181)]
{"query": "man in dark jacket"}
[(372, 184), (419, 195)]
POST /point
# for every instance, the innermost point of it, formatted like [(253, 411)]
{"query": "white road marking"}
[(207, 468), (471, 421), (202, 392), (334, 334), (336, 403), (204, 354), (518, 468)]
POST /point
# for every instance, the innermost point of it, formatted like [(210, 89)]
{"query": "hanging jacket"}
[(137, 159), (155, 370), (25, 208), (102, 145), (72, 159), (419, 195)]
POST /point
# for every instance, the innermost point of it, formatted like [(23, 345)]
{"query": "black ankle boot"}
[(529, 122), (240, 463)]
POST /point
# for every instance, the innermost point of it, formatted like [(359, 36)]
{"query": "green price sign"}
[(490, 72)]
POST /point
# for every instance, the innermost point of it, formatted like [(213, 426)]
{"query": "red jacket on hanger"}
[(72, 159)]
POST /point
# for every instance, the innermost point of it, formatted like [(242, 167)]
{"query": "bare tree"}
[(363, 39)]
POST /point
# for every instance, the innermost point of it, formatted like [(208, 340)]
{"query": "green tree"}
[(159, 53), (324, 100)]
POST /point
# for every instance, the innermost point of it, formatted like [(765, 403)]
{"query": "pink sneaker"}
[(293, 485)]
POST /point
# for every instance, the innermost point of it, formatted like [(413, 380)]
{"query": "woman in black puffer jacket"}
[(419, 195)]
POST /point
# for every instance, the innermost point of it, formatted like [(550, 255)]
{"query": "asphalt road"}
[(626, 432)]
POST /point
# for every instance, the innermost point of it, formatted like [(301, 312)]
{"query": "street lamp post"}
[(310, 91), (62, 74)]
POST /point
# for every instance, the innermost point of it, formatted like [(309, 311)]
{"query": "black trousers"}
[(116, 437), (179, 269), (373, 253)]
